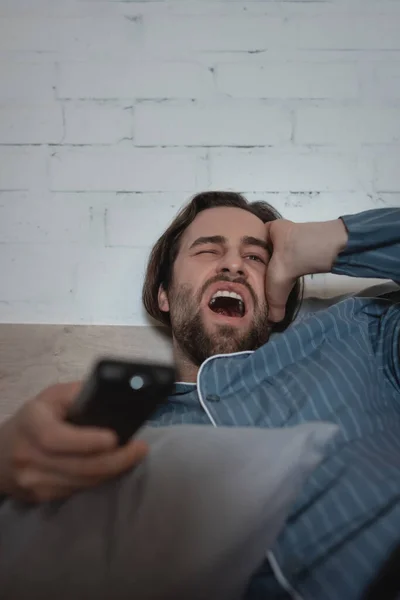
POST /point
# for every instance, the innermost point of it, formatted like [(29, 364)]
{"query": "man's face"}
[(217, 297)]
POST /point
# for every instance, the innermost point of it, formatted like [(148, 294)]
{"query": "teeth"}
[(228, 294)]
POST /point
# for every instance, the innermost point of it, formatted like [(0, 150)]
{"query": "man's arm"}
[(373, 247), (366, 244), (42, 457)]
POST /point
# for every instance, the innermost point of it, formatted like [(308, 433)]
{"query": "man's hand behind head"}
[(42, 457)]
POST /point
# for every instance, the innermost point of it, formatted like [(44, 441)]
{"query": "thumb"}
[(60, 397), (278, 286)]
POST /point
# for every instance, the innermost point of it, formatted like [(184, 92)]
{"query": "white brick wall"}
[(288, 80), (275, 170), (105, 79), (224, 124), (129, 169), (347, 126), (113, 113), (26, 83), (31, 124), (90, 123)]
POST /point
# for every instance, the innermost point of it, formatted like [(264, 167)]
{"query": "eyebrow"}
[(247, 240)]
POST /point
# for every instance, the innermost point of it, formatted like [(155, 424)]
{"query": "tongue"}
[(223, 305), (227, 312)]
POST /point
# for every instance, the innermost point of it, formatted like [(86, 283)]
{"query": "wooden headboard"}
[(35, 356)]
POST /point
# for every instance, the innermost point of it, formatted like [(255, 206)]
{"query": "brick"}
[(72, 284), (111, 169), (32, 274), (173, 35), (57, 8), (287, 80), (29, 218), (347, 126), (388, 173), (108, 286), (273, 171), (31, 124), (145, 79), (154, 212), (27, 83), (315, 206), (71, 37), (273, 7), (387, 82), (96, 123), (388, 200), (58, 312), (241, 124), (170, 36), (343, 32), (22, 168)]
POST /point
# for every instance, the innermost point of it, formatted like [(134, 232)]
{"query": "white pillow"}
[(194, 521)]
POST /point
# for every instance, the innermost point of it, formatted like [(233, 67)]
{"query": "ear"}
[(163, 303)]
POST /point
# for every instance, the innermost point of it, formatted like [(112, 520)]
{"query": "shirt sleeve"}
[(373, 248), (390, 345)]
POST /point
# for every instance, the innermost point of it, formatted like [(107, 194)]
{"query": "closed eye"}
[(254, 256)]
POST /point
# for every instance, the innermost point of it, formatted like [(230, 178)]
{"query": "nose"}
[(233, 264)]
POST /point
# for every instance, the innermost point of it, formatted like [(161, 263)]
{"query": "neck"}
[(185, 369)]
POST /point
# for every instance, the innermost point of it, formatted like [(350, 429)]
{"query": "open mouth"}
[(228, 304)]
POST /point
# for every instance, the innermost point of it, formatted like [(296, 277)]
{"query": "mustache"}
[(239, 280)]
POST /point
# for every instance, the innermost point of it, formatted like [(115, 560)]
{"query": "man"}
[(225, 277)]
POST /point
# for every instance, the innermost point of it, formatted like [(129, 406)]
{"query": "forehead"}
[(230, 222)]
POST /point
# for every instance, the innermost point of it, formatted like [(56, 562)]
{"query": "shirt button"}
[(212, 398)]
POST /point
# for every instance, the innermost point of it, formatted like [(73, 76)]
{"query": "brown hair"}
[(161, 261)]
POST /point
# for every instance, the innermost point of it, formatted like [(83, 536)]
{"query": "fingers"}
[(278, 288), (43, 477), (100, 466), (63, 438), (43, 426), (268, 226), (276, 314), (60, 396), (284, 267), (276, 283), (39, 486), (47, 457), (277, 304)]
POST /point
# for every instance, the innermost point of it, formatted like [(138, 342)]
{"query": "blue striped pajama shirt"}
[(340, 365)]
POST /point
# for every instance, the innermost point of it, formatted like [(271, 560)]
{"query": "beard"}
[(197, 343)]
